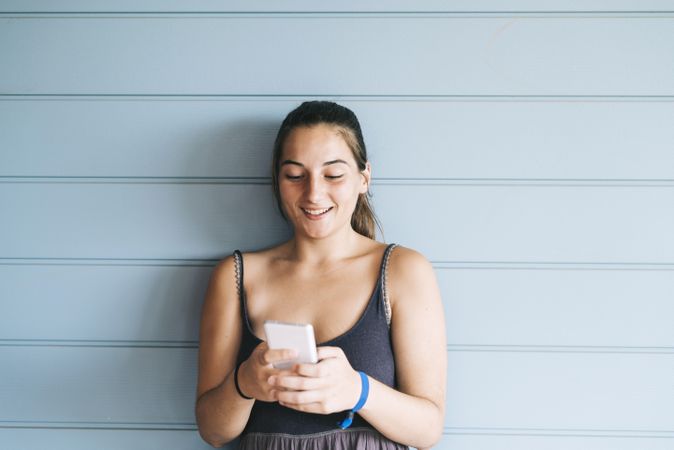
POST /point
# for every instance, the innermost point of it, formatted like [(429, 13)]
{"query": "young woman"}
[(375, 309)]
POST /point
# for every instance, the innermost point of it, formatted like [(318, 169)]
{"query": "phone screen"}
[(296, 336)]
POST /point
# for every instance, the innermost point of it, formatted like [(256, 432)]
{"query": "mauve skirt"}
[(349, 439)]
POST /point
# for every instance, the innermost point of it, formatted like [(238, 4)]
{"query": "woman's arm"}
[(412, 415), (220, 411), (415, 415)]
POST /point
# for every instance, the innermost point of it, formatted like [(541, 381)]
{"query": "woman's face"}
[(319, 181)]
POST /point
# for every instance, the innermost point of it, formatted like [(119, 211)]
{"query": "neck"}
[(326, 250)]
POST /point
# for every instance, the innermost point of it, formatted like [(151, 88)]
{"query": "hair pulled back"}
[(345, 122)]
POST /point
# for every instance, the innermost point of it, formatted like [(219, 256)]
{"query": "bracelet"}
[(236, 382), (364, 392)]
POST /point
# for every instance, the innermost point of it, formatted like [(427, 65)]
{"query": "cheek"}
[(287, 194), (348, 194), (286, 188)]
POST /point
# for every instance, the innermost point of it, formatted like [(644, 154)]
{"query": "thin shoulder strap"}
[(384, 290), (238, 267)]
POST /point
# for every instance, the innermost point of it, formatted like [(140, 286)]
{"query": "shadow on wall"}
[(233, 209), (239, 148)]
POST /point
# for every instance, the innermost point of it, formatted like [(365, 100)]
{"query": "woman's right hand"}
[(256, 370)]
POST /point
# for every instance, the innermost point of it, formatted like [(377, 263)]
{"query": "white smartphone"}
[(296, 336)]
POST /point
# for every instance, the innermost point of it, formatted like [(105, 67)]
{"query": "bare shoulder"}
[(222, 294), (409, 273), (258, 262), (406, 265), (223, 276), (224, 265)]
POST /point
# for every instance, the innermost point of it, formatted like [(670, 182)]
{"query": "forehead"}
[(316, 144)]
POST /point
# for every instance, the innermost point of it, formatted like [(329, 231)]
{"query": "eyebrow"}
[(327, 163)]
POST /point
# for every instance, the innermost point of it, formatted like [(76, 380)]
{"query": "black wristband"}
[(236, 383)]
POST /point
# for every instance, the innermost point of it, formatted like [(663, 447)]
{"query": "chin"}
[(316, 234)]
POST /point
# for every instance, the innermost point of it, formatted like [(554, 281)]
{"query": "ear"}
[(367, 176)]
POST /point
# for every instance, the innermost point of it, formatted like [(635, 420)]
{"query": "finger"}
[(275, 355), (292, 382), (312, 370), (329, 352), (283, 372), (299, 397)]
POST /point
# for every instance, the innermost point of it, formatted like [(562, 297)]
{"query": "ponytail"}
[(363, 220)]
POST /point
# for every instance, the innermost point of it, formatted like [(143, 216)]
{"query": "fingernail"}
[(271, 380)]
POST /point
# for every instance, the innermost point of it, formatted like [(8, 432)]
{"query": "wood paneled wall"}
[(524, 147)]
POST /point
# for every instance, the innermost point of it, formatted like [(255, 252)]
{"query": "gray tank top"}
[(367, 346)]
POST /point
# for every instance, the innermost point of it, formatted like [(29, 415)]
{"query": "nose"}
[(315, 189)]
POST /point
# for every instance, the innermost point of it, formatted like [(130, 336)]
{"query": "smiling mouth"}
[(316, 212)]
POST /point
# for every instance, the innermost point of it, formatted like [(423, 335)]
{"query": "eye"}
[(293, 177), (334, 177)]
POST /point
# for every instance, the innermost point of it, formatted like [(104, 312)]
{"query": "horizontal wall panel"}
[(99, 302), (445, 222), (113, 386), (161, 137), (263, 55), (527, 223), (148, 386), (343, 6), (566, 391), (630, 308), (559, 307), (192, 137), (474, 441), (134, 220), (65, 439)]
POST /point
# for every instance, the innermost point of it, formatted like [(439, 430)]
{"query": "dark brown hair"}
[(308, 114)]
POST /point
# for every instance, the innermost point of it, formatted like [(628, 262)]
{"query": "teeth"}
[(315, 212)]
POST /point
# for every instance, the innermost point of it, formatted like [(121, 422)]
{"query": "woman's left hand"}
[(329, 386)]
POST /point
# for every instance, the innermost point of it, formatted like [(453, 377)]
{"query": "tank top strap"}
[(382, 282), (238, 267)]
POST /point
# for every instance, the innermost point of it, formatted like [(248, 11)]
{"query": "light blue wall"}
[(525, 147)]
